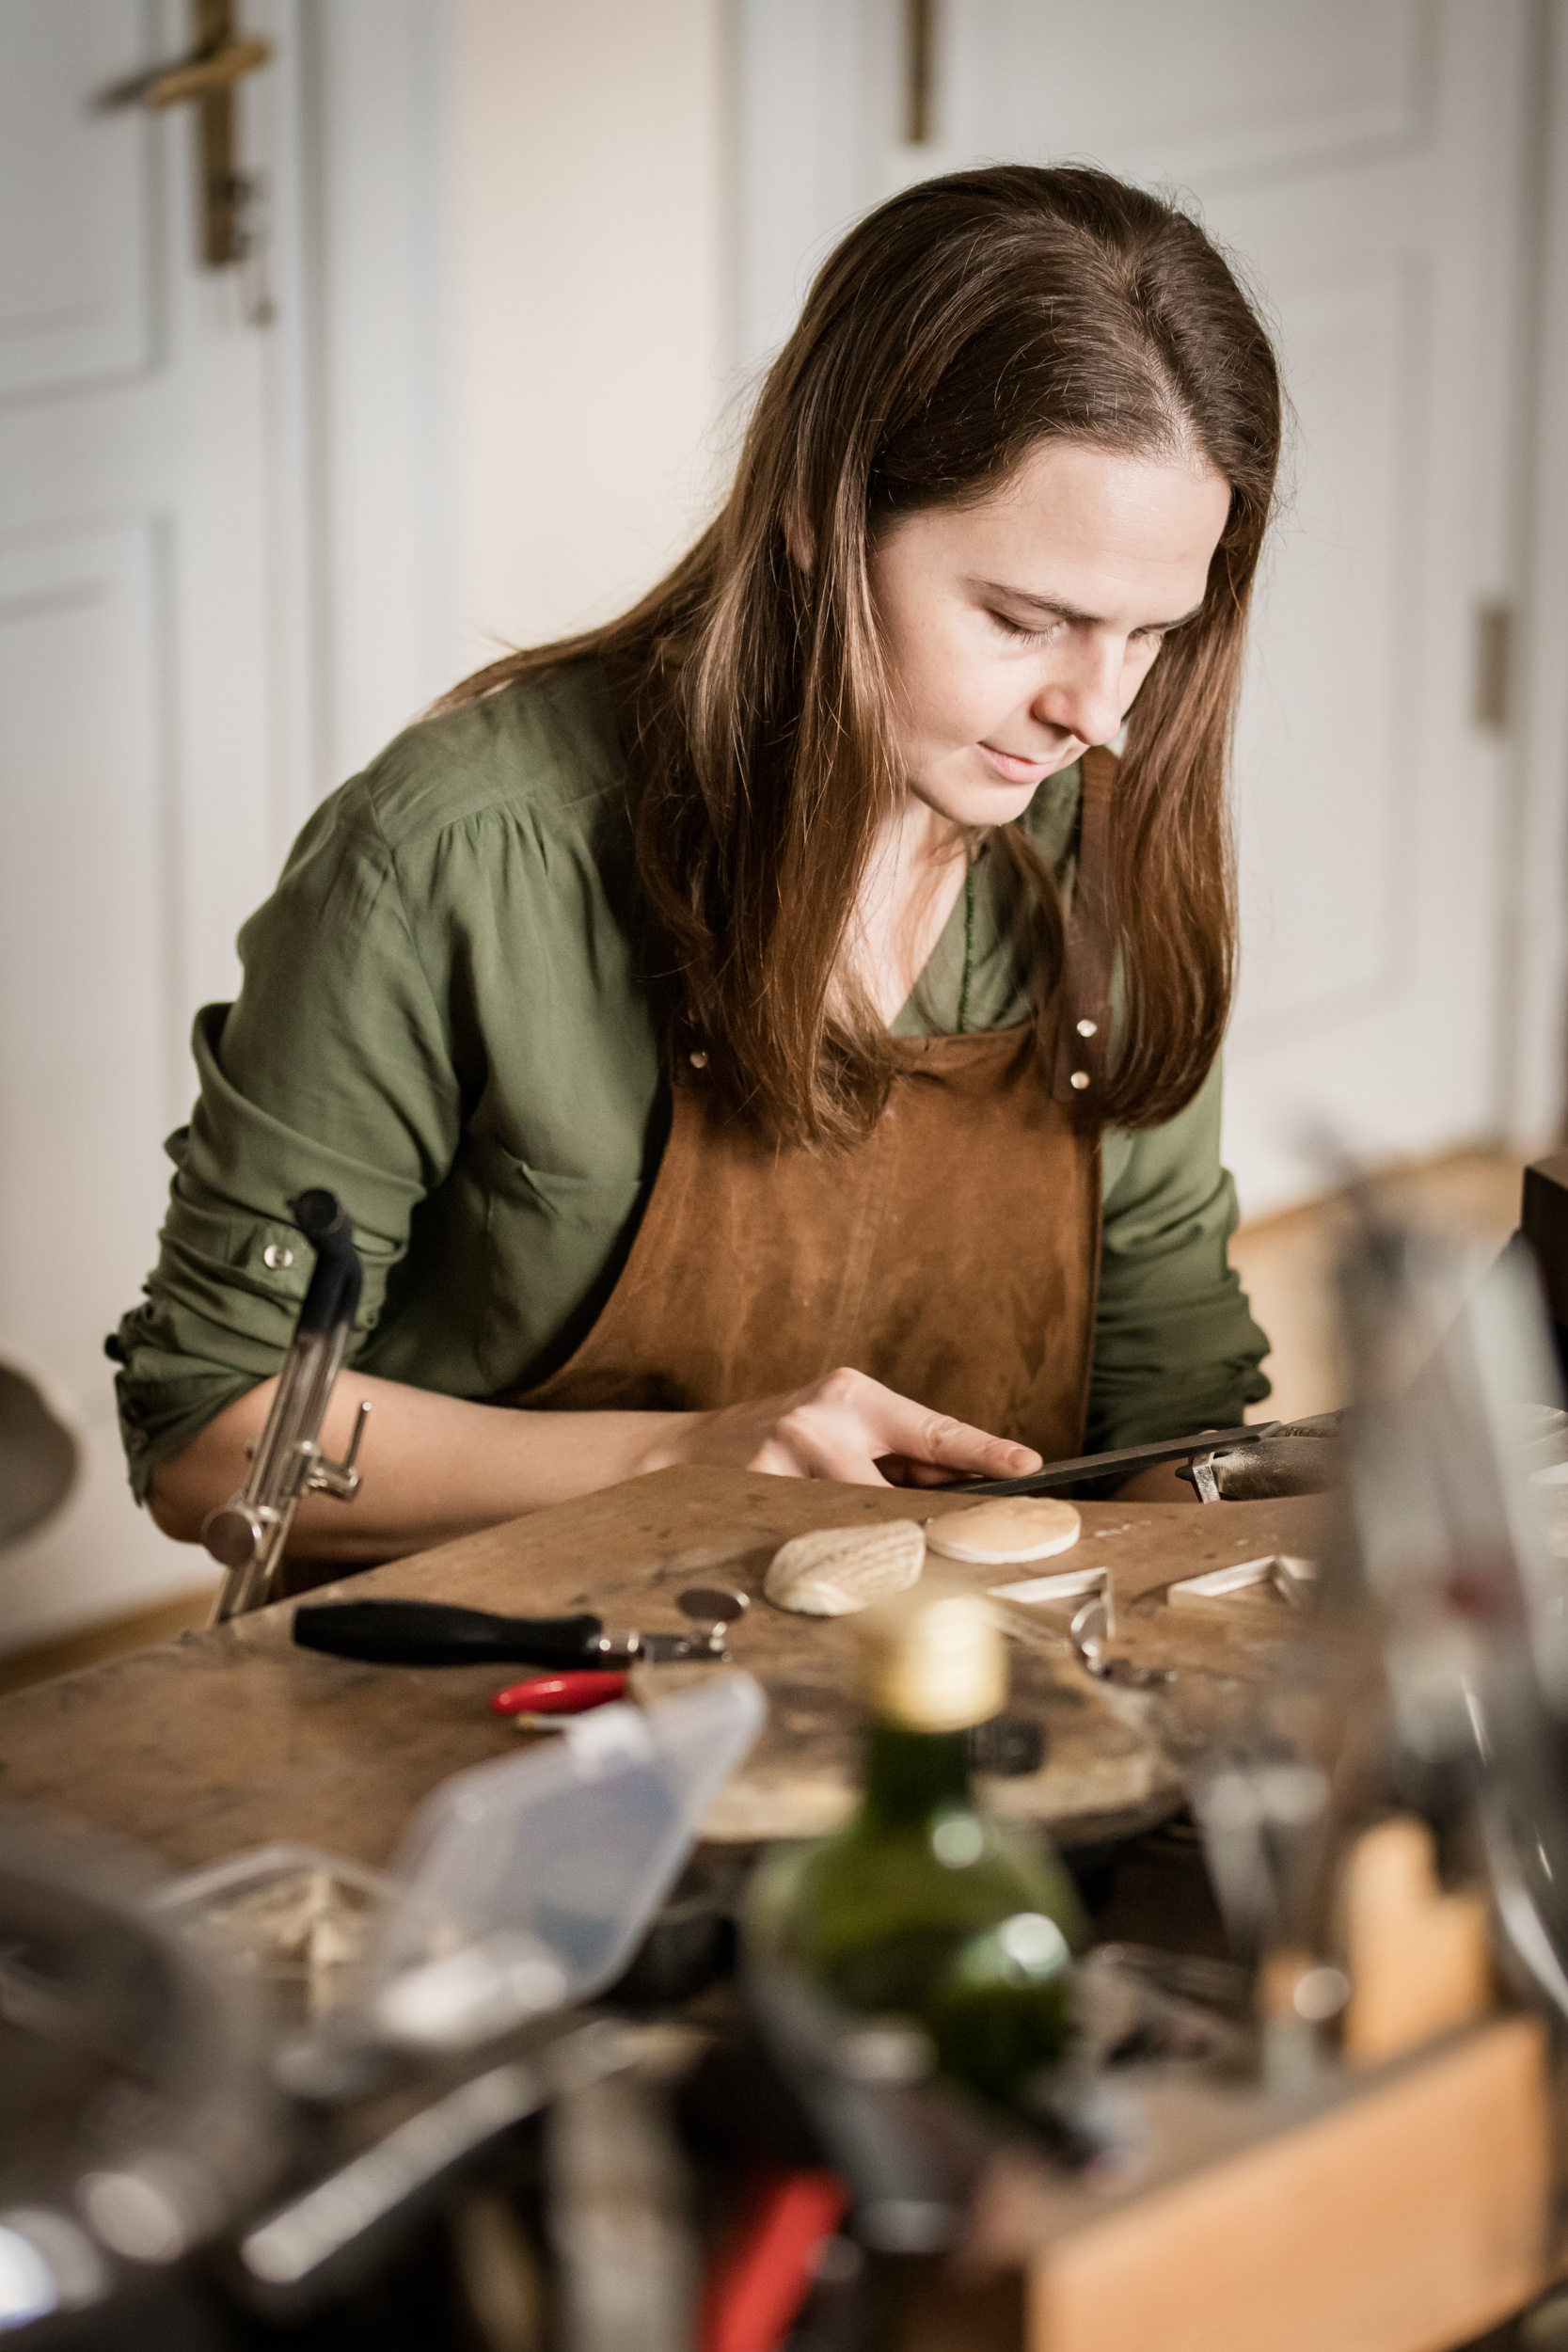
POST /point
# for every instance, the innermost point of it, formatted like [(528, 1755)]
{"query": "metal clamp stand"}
[(248, 1535)]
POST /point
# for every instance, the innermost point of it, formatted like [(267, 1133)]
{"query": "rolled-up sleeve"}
[(1176, 1346), (335, 1067)]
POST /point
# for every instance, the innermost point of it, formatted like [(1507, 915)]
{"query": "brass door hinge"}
[(1494, 665), (919, 70)]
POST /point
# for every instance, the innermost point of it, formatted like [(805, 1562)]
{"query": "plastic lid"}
[(530, 1881)]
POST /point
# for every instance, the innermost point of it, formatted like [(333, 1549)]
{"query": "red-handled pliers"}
[(534, 1702)]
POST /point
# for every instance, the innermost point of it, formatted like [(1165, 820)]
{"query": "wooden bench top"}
[(221, 1741)]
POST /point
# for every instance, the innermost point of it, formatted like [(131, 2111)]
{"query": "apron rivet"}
[(1080, 1079), (697, 1061), (1088, 1028)]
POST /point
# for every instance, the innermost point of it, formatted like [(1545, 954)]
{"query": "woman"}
[(708, 1021)]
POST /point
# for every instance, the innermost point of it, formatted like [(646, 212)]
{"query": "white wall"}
[(522, 330), (588, 232), (376, 152)]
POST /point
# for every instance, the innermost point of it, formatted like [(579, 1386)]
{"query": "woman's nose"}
[(1084, 691)]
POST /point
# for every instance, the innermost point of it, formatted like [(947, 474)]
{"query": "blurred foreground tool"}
[(162, 2097), (1441, 1674), (1544, 1221), (1451, 1545), (1416, 1957), (137, 2123), (38, 1455), (756, 2288), (1438, 1676), (621, 2220)]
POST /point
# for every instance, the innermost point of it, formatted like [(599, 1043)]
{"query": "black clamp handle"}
[(333, 1295), (437, 1633)]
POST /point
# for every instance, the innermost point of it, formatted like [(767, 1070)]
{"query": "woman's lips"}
[(1012, 770)]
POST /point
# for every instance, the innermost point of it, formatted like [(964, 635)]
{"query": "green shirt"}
[(442, 1020)]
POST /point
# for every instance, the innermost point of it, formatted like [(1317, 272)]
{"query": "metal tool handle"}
[(438, 1633), (248, 1535), (1298, 1457)]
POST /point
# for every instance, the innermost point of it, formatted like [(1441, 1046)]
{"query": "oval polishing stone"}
[(836, 1570), (1013, 1528)]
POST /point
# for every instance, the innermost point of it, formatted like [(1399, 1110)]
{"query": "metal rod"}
[(248, 1535)]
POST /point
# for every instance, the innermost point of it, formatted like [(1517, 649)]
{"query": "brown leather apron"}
[(952, 1255)]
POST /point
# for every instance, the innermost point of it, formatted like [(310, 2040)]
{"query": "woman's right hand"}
[(845, 1426)]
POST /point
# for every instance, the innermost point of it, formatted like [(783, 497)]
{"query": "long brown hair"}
[(956, 326)]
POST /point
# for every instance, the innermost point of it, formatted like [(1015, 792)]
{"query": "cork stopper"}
[(932, 1659)]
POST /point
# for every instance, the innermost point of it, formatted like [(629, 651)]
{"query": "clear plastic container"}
[(529, 1883), (294, 1918)]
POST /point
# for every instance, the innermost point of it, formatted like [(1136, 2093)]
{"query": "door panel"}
[(148, 547), (1365, 162), (1205, 92), (77, 279), (85, 831)]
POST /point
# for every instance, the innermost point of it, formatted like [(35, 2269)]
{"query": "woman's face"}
[(1019, 630)]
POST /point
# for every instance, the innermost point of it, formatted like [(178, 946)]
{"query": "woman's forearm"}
[(433, 1467)]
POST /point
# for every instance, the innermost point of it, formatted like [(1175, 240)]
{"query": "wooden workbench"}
[(217, 1741), (1397, 2217)]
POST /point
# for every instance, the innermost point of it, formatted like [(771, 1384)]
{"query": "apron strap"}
[(1084, 1028)]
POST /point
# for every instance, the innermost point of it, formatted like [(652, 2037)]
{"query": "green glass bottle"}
[(922, 1906)]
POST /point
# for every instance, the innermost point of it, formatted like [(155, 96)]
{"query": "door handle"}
[(206, 79), (203, 77)]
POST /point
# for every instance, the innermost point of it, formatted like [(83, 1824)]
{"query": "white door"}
[(1367, 162), (151, 701)]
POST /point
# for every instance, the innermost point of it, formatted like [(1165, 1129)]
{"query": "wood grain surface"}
[(217, 1741), (1409, 2216)]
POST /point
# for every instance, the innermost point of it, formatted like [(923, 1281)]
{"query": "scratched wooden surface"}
[(217, 1741)]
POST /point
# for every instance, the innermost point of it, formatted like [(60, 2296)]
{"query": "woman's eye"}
[(1022, 636)]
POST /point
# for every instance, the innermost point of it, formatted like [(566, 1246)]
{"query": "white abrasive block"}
[(1012, 1529), (836, 1570)]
